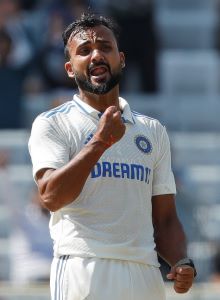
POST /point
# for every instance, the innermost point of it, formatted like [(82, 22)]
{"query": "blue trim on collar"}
[(87, 109)]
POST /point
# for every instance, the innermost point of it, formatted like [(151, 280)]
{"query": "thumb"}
[(172, 274), (109, 112), (111, 109)]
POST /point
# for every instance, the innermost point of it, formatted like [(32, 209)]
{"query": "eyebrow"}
[(97, 41)]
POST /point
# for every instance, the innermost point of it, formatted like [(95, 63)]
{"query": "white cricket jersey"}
[(112, 217)]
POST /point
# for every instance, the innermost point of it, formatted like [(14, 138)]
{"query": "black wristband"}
[(186, 262)]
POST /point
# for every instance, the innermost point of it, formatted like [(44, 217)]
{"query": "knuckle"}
[(181, 291)]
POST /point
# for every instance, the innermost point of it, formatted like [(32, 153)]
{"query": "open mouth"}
[(99, 73)]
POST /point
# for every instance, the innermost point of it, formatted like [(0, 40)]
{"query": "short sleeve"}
[(163, 178), (47, 146)]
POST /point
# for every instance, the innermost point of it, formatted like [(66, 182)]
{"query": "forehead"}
[(93, 34)]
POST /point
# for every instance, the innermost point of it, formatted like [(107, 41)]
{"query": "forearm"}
[(171, 241), (171, 246), (62, 186)]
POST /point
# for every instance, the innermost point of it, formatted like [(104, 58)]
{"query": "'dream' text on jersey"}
[(121, 170)]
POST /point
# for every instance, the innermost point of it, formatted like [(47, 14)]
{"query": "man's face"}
[(95, 61)]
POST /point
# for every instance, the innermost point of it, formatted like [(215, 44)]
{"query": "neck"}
[(101, 102)]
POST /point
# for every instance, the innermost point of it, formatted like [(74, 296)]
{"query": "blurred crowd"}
[(31, 68), (26, 246), (31, 49), (31, 73)]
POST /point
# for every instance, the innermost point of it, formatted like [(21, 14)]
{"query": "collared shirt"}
[(87, 109), (111, 218)]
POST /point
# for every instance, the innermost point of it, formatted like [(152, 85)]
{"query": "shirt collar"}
[(89, 110)]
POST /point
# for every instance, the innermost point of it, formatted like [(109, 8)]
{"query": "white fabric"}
[(76, 278), (111, 218)]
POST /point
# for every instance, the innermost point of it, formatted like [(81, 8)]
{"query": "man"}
[(104, 172)]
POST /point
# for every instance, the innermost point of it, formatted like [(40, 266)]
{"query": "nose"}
[(97, 56)]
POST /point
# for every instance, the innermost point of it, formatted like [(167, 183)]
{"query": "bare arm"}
[(170, 241), (169, 235), (62, 186)]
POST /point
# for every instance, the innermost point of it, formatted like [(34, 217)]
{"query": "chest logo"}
[(143, 144)]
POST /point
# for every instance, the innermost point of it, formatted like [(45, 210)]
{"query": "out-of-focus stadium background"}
[(172, 73)]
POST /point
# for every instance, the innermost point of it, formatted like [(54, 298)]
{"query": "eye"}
[(106, 48), (84, 51)]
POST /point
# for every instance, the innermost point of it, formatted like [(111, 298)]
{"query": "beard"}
[(85, 84)]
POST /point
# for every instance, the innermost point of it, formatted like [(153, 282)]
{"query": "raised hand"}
[(111, 127)]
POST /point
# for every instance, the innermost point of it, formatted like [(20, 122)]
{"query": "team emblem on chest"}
[(143, 144)]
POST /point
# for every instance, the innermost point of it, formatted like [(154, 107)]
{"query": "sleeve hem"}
[(46, 165), (163, 189)]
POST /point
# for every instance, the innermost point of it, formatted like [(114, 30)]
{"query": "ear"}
[(122, 59), (69, 69)]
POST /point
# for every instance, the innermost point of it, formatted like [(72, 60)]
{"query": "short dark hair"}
[(86, 21)]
